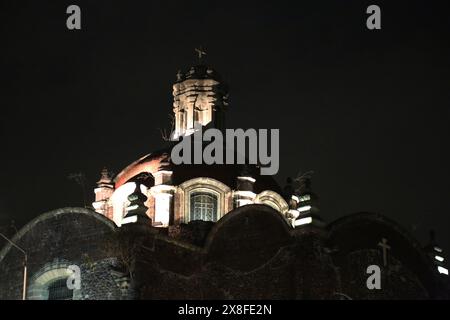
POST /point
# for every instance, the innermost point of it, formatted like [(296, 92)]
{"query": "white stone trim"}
[(38, 287), (253, 180), (272, 198)]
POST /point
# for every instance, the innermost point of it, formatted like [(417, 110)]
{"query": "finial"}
[(200, 53), (105, 177), (105, 173), (179, 75)]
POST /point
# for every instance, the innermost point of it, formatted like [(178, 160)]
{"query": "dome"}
[(150, 163), (181, 193), (227, 174)]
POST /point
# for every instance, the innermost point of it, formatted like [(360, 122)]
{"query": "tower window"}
[(203, 206), (182, 119), (58, 290)]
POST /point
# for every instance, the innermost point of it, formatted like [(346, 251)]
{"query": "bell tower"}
[(199, 97)]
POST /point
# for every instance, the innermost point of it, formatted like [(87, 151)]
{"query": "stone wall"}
[(251, 253), (74, 236)]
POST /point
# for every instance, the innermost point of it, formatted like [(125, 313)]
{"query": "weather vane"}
[(200, 53)]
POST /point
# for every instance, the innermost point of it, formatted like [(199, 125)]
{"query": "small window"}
[(58, 290), (182, 118), (203, 206)]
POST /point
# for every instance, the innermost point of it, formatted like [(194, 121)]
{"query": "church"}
[(159, 230)]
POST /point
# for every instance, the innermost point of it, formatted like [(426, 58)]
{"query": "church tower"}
[(103, 192), (199, 97)]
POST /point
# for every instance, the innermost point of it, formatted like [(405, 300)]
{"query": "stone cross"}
[(200, 53), (383, 244)]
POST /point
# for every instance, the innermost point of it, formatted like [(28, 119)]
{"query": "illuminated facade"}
[(165, 231), (178, 196)]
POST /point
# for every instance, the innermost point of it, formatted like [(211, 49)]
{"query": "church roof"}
[(227, 174)]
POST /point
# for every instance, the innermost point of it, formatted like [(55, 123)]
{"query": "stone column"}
[(163, 193)]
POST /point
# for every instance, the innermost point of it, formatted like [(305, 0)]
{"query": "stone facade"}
[(251, 253), (54, 241), (199, 98)]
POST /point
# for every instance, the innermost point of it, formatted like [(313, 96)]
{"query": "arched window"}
[(58, 290), (217, 200), (203, 206), (50, 283), (196, 115)]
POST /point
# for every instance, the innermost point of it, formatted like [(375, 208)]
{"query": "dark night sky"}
[(368, 111)]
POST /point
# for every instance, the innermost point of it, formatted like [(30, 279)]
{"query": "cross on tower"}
[(200, 53), (179, 75), (383, 244)]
